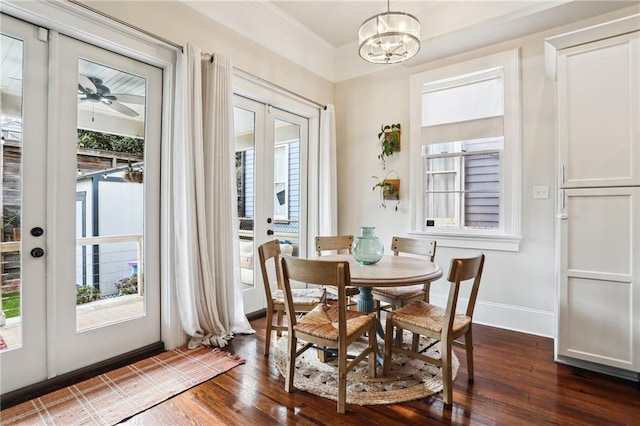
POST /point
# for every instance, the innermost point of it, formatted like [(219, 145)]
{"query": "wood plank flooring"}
[(516, 383)]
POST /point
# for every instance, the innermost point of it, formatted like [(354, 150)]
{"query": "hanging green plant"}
[(389, 137)]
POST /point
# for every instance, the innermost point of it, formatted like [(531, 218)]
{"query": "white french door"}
[(107, 94), (23, 279), (81, 169), (271, 163)]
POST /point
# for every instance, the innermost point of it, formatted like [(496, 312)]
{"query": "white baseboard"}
[(509, 317)]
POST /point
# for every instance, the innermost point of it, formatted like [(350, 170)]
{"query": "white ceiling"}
[(322, 35)]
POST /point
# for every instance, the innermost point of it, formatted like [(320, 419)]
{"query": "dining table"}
[(390, 271)]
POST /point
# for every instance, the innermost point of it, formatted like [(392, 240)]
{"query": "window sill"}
[(473, 241)]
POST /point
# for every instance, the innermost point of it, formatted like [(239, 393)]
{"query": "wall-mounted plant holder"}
[(389, 138), (389, 189)]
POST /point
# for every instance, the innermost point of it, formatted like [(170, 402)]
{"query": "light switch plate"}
[(541, 192)]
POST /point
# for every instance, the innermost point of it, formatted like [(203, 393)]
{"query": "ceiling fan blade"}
[(123, 109), (129, 99), (86, 85)]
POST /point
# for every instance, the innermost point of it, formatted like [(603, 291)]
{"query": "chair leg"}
[(447, 385), (373, 345), (267, 342), (468, 343), (388, 341), (322, 355), (291, 363), (415, 342), (279, 322), (342, 381), (399, 336)]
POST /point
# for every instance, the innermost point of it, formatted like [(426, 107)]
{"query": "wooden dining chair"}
[(326, 326), (444, 325), (337, 244), (304, 300), (397, 297)]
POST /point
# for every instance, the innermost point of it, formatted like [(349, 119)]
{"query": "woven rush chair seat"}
[(301, 296), (443, 325), (304, 300), (322, 322), (430, 317), (404, 292)]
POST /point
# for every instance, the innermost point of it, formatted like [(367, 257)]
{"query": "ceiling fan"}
[(92, 89)]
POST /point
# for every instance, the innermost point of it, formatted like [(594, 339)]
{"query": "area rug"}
[(119, 394), (409, 379)]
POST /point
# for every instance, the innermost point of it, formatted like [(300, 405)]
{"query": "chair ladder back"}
[(267, 251), (324, 273), (462, 270), (419, 246), (338, 243)]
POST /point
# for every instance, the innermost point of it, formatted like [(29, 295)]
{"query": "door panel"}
[(597, 288), (108, 95), (271, 149), (599, 83), (23, 89)]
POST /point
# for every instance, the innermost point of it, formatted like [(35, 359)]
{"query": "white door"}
[(271, 153), (111, 245), (23, 104)]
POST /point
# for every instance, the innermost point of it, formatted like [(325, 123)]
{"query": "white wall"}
[(518, 288), (179, 23)]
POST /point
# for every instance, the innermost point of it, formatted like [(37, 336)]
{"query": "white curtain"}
[(204, 213), (327, 174)]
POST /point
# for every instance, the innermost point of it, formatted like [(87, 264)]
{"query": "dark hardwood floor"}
[(516, 383)]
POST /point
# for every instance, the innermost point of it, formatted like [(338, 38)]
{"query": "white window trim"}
[(509, 237)]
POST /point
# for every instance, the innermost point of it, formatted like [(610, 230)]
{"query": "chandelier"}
[(389, 38)]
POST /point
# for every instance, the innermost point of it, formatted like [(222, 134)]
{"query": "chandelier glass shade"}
[(389, 38)]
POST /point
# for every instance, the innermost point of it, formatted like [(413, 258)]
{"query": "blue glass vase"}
[(367, 249)]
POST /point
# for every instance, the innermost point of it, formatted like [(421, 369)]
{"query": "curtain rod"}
[(180, 47)]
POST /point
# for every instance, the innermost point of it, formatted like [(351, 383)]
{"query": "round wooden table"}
[(390, 271)]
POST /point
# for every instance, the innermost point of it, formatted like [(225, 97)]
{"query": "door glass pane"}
[(109, 196), (286, 181), (11, 51), (245, 136)]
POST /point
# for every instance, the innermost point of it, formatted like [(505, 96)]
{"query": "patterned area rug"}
[(119, 394), (409, 379)]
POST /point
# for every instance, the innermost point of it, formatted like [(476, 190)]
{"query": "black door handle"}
[(270, 232), (37, 231), (37, 252)]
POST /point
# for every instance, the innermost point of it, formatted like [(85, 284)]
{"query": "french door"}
[(23, 279), (81, 172), (271, 164)]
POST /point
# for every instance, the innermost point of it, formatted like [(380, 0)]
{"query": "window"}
[(465, 121)]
